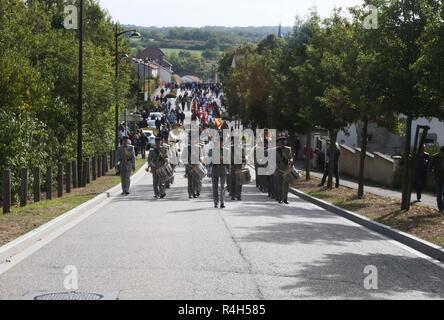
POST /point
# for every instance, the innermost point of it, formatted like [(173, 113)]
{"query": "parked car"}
[(151, 138), (151, 123), (155, 115)]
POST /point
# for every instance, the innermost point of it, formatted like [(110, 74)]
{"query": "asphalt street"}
[(142, 248)]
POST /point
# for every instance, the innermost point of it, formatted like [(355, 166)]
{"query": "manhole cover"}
[(70, 296)]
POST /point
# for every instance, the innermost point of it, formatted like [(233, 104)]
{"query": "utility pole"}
[(117, 35)]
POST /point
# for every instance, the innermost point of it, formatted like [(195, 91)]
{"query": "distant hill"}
[(195, 51), (210, 37)]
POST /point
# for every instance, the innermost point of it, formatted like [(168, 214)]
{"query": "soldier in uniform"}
[(158, 158), (126, 163), (169, 151), (194, 183), (271, 183), (284, 161), (219, 176), (235, 183), (261, 180)]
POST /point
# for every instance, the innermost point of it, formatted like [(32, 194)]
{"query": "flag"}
[(219, 123)]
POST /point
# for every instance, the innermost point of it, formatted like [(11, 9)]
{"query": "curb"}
[(425, 247), (35, 236)]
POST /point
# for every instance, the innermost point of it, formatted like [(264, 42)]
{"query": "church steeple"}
[(280, 34)]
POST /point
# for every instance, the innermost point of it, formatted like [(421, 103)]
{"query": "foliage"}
[(191, 63), (203, 38), (330, 73), (39, 83)]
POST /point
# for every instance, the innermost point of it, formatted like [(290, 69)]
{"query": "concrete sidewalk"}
[(427, 199)]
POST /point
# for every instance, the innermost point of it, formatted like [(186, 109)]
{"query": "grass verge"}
[(421, 221), (170, 51), (22, 220)]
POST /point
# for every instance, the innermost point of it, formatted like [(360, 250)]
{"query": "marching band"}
[(231, 174)]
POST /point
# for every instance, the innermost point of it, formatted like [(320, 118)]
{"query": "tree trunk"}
[(406, 172), (364, 143), (331, 162), (307, 158)]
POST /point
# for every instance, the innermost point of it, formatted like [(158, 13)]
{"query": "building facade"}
[(156, 57), (389, 143)]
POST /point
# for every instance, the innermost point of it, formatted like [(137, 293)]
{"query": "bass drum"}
[(199, 172), (166, 173), (291, 176), (243, 176)]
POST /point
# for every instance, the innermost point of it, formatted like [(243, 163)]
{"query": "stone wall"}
[(379, 168)]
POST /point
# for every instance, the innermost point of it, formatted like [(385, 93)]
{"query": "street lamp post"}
[(118, 34), (81, 183), (144, 81)]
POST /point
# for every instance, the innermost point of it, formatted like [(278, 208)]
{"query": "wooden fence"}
[(66, 176)]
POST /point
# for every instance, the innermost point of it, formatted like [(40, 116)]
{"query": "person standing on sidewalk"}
[(437, 167), (335, 167), (125, 162)]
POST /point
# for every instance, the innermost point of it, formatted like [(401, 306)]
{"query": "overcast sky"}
[(197, 13)]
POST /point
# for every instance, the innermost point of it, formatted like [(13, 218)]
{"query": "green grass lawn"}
[(169, 51), (23, 220)]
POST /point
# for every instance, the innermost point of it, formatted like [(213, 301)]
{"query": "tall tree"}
[(401, 24), (325, 76), (291, 103)]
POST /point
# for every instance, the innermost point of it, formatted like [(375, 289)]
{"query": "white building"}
[(386, 142), (157, 57)]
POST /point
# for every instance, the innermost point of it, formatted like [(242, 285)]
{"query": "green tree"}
[(401, 25), (291, 101), (38, 83), (325, 76)]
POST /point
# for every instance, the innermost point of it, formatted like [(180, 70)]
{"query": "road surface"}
[(142, 248)]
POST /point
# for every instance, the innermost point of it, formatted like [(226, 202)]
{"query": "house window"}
[(432, 138)]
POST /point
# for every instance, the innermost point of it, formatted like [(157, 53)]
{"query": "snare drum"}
[(199, 172), (166, 173), (243, 176), (291, 176)]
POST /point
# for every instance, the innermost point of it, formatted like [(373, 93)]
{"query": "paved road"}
[(184, 249)]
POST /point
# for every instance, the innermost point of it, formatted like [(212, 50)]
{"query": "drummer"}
[(235, 168), (158, 158), (262, 180), (168, 149), (284, 162), (194, 183)]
